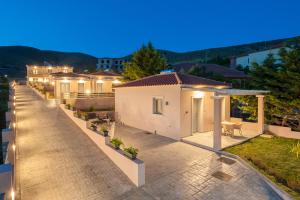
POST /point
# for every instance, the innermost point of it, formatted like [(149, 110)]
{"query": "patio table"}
[(228, 127)]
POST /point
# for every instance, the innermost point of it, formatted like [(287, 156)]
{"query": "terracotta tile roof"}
[(211, 68), (173, 78), (69, 75), (104, 73)]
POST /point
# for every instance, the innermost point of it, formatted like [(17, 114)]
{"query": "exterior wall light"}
[(14, 112), (65, 80), (14, 125), (198, 94), (12, 193), (88, 92), (81, 81), (52, 83), (14, 147), (116, 81), (99, 81)]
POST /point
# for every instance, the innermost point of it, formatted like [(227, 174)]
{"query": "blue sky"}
[(116, 28)]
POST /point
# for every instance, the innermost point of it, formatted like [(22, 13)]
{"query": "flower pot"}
[(104, 133), (129, 155)]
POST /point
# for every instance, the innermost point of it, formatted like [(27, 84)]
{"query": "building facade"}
[(41, 74), (111, 64), (255, 57), (164, 104), (72, 85)]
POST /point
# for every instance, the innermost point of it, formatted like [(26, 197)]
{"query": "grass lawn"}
[(273, 157)]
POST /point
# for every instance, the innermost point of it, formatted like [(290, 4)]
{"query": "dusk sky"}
[(116, 28)]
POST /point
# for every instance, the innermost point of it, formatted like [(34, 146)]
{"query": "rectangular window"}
[(35, 71), (65, 87), (158, 105), (99, 87), (80, 87)]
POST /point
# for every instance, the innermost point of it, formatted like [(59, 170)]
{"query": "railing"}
[(76, 95)]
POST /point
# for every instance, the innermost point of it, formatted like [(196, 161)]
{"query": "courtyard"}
[(55, 160)]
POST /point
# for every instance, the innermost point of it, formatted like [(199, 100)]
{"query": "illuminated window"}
[(35, 71), (158, 105)]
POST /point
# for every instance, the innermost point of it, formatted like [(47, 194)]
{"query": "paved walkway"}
[(57, 161)]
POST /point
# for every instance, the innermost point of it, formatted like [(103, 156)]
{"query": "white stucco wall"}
[(257, 57), (73, 86), (134, 108), (206, 116)]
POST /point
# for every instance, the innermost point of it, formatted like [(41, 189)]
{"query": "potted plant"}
[(116, 143), (131, 152), (93, 127), (77, 114), (84, 116), (67, 106), (104, 131), (91, 109), (72, 108)]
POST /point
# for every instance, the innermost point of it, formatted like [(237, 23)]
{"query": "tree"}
[(145, 62), (282, 79)]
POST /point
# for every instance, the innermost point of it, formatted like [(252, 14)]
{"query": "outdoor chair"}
[(238, 126)]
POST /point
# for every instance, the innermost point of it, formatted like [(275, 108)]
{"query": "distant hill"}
[(13, 59), (209, 55)]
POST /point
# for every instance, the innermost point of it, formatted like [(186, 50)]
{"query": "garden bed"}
[(275, 158)]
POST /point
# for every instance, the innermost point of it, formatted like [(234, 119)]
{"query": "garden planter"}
[(129, 155), (114, 146)]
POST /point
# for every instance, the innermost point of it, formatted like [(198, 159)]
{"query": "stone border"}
[(133, 169), (38, 92)]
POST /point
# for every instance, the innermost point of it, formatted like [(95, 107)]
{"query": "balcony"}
[(76, 95)]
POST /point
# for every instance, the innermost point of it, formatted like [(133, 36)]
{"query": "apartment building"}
[(41, 73), (111, 64)]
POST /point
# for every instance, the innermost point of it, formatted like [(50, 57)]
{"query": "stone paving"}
[(55, 160), (175, 170)]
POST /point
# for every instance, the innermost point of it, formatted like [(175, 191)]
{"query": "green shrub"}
[(91, 109), (116, 142), (131, 150)]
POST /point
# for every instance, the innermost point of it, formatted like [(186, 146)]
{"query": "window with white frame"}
[(35, 71), (157, 105)]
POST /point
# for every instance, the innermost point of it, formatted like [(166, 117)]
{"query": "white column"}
[(260, 113), (227, 108), (217, 143)]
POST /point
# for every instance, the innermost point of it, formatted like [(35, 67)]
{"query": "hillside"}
[(207, 55), (13, 59)]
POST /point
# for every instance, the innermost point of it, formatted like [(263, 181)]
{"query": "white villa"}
[(181, 106), (258, 57), (41, 73), (68, 85)]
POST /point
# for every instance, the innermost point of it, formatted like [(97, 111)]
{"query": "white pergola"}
[(220, 95)]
